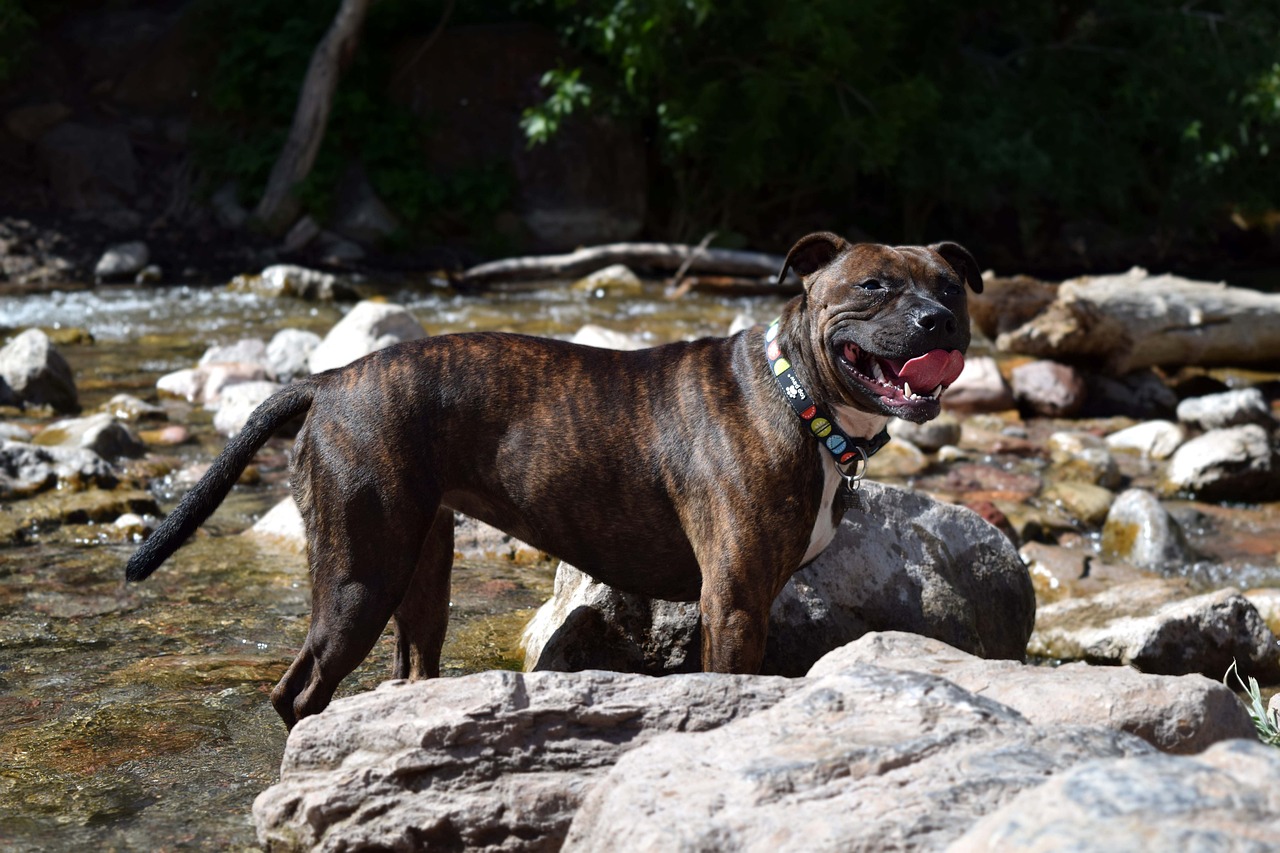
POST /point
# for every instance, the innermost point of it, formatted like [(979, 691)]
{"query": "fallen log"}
[(652, 257), (1133, 320)]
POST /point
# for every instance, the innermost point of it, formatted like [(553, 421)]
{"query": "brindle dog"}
[(679, 472)]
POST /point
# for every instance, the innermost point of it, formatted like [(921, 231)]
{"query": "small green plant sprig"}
[(1268, 725)]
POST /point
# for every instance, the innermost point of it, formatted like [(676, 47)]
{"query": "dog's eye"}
[(871, 284)]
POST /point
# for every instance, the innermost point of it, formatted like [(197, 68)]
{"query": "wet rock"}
[(237, 404), (1058, 572), (281, 526), (14, 432), (475, 540), (741, 322), (26, 469), (1083, 458), (1154, 439), (169, 436), (368, 327), (1141, 394), (1158, 626), (126, 407), (1267, 601), (972, 481), (289, 352), (1050, 389), (898, 458), (1179, 714), (37, 373), (1139, 531), (980, 388), (291, 280), (122, 262), (353, 776), (930, 436), (900, 561), (1228, 409), (598, 336), (243, 351), (1085, 502), (101, 433), (1223, 799), (617, 279), (860, 760), (1236, 464), (9, 397), (205, 384), (96, 506)]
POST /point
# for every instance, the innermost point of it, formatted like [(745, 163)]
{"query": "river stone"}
[(101, 433), (289, 352), (1155, 439), (1058, 572), (1236, 464), (1181, 714), (238, 403), (1159, 626), (899, 561), (1267, 600), (598, 336), (243, 351), (1048, 388), (492, 761), (126, 407), (37, 373), (26, 469), (1140, 394), (930, 436), (1224, 799), (1140, 531), (615, 279), (368, 327), (122, 261), (282, 526), (1082, 457), (980, 388), (1228, 409), (290, 280), (1084, 502), (475, 540), (865, 759)]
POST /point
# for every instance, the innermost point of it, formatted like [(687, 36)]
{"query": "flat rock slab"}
[(1223, 800), (1179, 714), (1154, 626), (865, 759), (495, 761)]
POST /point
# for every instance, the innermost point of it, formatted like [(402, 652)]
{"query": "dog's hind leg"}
[(362, 564), (423, 615)]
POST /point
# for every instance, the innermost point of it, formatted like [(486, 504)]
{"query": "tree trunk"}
[(278, 207)]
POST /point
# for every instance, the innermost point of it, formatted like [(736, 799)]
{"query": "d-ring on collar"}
[(851, 454)]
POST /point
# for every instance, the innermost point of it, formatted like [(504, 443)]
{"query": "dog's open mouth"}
[(912, 383)]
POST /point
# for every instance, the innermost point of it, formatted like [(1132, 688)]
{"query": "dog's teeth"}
[(876, 371), (937, 392), (906, 389)]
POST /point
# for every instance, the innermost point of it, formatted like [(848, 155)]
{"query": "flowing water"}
[(137, 718)]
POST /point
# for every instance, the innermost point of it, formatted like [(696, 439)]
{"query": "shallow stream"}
[(137, 718)]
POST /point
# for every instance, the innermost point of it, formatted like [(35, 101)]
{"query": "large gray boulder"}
[(1237, 464), (1180, 714), (1159, 626), (864, 759), (37, 373), (1223, 800), (495, 761), (900, 561)]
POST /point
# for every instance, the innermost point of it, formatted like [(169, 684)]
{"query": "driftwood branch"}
[(1125, 322), (278, 207), (653, 257)]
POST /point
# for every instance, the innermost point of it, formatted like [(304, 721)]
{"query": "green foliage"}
[(16, 27), (917, 116), (1268, 725), (568, 93)]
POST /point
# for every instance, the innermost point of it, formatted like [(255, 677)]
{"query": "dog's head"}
[(888, 325)]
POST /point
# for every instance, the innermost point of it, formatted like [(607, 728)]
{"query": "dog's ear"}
[(812, 252), (962, 262)]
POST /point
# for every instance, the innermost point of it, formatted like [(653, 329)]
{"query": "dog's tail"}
[(199, 503)]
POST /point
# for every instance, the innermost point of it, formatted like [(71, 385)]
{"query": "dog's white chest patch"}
[(824, 526)]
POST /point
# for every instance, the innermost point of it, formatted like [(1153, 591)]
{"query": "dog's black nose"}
[(936, 319)]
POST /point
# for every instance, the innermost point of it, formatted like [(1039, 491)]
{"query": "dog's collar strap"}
[(845, 449)]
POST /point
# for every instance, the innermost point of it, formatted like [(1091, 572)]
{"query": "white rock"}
[(122, 261), (237, 403), (368, 327), (1230, 408), (598, 336), (1156, 439)]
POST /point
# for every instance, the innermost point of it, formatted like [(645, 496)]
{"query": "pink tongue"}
[(926, 372)]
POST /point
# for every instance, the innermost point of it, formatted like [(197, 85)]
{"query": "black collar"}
[(850, 453)]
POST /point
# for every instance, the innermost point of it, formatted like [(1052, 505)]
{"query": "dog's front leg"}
[(741, 575)]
